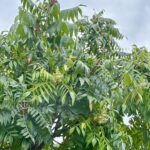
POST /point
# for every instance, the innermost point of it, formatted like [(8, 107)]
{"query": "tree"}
[(62, 75)]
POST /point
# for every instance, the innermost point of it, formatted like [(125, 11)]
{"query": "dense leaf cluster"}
[(63, 76)]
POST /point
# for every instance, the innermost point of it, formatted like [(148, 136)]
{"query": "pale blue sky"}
[(132, 16)]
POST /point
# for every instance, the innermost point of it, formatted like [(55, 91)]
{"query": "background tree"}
[(62, 75)]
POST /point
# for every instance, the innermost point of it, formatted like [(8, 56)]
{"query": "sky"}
[(132, 16)]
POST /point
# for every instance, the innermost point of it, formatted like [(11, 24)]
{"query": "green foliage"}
[(62, 75)]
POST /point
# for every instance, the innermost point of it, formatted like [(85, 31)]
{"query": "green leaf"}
[(78, 130), (26, 94), (56, 11), (65, 28), (94, 141), (127, 80), (81, 81), (109, 147), (21, 78), (73, 96), (64, 98), (72, 130)]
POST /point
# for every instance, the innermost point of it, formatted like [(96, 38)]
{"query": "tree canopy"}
[(63, 76)]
